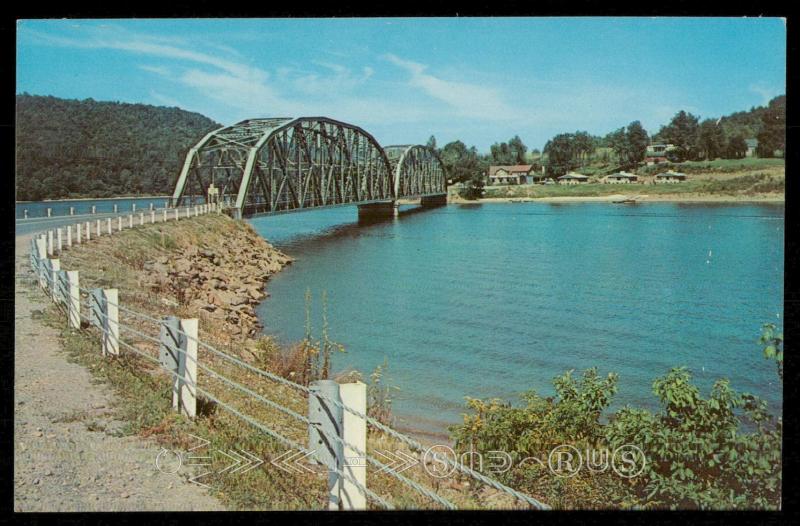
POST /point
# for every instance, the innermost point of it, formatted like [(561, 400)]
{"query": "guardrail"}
[(336, 421), (86, 209)]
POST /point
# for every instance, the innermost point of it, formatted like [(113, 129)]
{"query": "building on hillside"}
[(752, 145), (657, 153), (620, 178), (669, 177), (516, 174), (573, 178)]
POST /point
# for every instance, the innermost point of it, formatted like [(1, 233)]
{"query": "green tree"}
[(464, 165), (518, 149), (637, 140), (510, 153), (736, 148), (561, 154), (772, 136), (682, 133), (710, 139), (432, 143)]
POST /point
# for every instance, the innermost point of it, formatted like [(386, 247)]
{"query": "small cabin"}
[(573, 178), (516, 174), (669, 177), (621, 178)]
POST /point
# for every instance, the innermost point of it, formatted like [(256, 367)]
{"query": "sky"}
[(479, 80)]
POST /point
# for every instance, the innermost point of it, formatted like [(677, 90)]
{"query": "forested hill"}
[(748, 124), (85, 148)]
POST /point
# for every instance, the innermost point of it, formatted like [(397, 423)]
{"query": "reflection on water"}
[(494, 299)]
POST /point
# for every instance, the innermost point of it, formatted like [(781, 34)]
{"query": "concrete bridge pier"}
[(430, 201), (378, 210)]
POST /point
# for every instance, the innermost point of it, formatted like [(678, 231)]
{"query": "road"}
[(69, 452)]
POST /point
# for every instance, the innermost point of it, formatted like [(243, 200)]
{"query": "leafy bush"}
[(720, 452)]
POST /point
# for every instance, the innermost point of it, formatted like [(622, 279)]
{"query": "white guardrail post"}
[(110, 322), (187, 368), (354, 434), (130, 220), (61, 289), (41, 257), (69, 236), (108, 225), (327, 420), (49, 242), (74, 299), (58, 240), (178, 355), (78, 233), (53, 268), (88, 231)]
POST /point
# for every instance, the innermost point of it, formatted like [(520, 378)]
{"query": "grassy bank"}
[(126, 261), (733, 185)]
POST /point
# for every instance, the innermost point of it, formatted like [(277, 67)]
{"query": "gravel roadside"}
[(69, 454)]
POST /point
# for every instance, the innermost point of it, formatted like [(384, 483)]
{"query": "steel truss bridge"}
[(263, 166)]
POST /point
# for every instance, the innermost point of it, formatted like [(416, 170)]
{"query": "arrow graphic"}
[(398, 459), (193, 480), (253, 458), (289, 461), (203, 440), (237, 457)]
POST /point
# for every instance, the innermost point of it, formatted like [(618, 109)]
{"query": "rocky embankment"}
[(224, 280)]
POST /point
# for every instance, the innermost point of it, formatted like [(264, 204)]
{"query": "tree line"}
[(626, 147), (86, 148)]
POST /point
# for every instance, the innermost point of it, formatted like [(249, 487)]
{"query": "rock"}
[(238, 300), (182, 265)]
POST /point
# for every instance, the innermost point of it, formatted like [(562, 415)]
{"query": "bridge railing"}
[(335, 419)]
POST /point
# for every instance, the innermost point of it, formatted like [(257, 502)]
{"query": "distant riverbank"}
[(733, 186), (639, 197)]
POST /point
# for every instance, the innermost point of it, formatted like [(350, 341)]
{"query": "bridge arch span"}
[(418, 171), (276, 164)]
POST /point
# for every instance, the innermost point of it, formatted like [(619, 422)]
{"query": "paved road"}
[(68, 452), (37, 224)]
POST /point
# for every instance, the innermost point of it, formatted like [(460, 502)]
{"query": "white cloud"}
[(165, 99), (767, 93), (158, 70), (469, 100)]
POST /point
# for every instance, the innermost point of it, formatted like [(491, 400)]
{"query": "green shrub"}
[(720, 452)]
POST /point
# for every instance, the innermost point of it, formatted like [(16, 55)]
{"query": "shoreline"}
[(640, 198)]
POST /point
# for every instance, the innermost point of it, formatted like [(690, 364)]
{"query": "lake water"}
[(491, 300), (37, 209)]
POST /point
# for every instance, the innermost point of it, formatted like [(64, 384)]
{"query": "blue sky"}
[(481, 80)]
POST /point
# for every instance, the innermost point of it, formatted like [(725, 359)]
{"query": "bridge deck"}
[(250, 213)]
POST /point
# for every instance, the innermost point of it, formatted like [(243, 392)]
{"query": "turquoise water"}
[(38, 209), (491, 300)]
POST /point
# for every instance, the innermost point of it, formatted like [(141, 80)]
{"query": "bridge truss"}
[(418, 170), (278, 164)]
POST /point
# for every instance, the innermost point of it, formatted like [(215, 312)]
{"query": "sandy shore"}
[(640, 198)]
